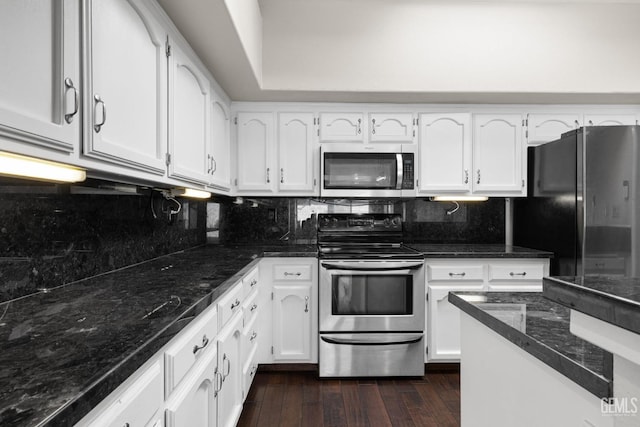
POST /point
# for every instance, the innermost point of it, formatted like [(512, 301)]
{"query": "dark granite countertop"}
[(544, 334), (612, 299), (65, 350), (437, 250)]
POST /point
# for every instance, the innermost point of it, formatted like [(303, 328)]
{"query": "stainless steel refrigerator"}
[(583, 202)]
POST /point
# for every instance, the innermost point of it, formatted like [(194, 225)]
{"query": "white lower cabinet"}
[(194, 404), (230, 366), (479, 275)]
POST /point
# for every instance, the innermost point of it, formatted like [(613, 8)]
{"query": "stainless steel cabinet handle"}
[(466, 176), (205, 342), (235, 304), (359, 126), (281, 175), (268, 179), (253, 336), (286, 273), (590, 123), (512, 274), (254, 282), (98, 100), (577, 123), (253, 307), (253, 370), (225, 359), (452, 274), (69, 85), (306, 304), (478, 182), (209, 161), (373, 126), (218, 382), (214, 165)]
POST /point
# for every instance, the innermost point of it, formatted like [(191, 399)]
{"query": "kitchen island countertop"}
[(457, 250)]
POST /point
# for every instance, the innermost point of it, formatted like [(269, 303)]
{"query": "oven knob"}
[(387, 222), (396, 221)]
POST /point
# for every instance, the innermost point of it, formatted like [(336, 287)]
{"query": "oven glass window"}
[(361, 170), (372, 294)]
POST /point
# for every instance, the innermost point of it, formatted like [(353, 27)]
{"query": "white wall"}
[(450, 47)]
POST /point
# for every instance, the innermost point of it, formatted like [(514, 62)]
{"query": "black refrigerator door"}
[(546, 219)]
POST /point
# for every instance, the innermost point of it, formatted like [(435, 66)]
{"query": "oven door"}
[(371, 296)]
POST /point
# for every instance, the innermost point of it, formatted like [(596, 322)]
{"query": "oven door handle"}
[(377, 340), (369, 267)]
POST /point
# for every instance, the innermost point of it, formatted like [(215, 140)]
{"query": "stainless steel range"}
[(372, 298)]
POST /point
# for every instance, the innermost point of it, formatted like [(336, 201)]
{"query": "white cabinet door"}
[(230, 366), (189, 120), (391, 127), (194, 403), (609, 119), (292, 314), (342, 127), (220, 147), (443, 339), (543, 128), (39, 72), (296, 153), (498, 154), (445, 153), (126, 102), (255, 147)]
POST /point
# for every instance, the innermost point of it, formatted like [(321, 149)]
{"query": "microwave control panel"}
[(407, 171)]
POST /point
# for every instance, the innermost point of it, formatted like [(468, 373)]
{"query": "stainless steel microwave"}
[(367, 171)]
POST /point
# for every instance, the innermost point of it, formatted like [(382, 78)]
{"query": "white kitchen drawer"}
[(250, 281), (248, 374), (138, 403), (291, 272), (190, 345), (230, 304), (516, 272), (249, 342), (455, 273), (250, 309)]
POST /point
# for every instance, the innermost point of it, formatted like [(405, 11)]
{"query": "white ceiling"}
[(510, 51)]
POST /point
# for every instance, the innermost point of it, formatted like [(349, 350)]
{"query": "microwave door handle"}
[(399, 170), (377, 340), (358, 267)]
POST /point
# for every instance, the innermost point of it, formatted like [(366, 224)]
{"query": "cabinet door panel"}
[(189, 119), (391, 127), (292, 322), (610, 119), (444, 326), (40, 48), (255, 141), (497, 154), (296, 152), (341, 127), (543, 128), (127, 86), (445, 153), (220, 145), (230, 366)]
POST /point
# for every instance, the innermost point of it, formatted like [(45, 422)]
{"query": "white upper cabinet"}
[(498, 154), (39, 73), (391, 127), (255, 147), (126, 87), (610, 119), (219, 156), (543, 128), (297, 155), (445, 153), (189, 119), (342, 127)]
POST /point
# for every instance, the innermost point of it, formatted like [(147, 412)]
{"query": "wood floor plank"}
[(300, 398)]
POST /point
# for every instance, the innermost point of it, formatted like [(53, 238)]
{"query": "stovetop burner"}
[(362, 236)]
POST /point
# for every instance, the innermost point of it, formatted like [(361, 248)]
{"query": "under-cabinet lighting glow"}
[(18, 166), (190, 192), (459, 199)]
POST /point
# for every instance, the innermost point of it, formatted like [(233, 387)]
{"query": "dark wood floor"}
[(301, 399)]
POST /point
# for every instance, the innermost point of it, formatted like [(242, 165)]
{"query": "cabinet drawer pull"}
[(235, 304), (286, 273), (359, 126), (478, 182), (225, 359), (253, 370), (253, 336), (205, 342), (69, 84), (218, 382), (512, 274), (451, 274), (98, 100), (214, 165), (268, 178), (253, 307), (373, 127), (466, 176), (306, 304), (281, 175), (254, 282)]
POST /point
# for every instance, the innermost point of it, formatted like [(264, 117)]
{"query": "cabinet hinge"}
[(168, 48), (427, 297), (235, 182), (318, 132), (526, 133), (271, 296), (414, 133), (427, 350), (168, 159), (523, 183), (271, 349), (235, 120)]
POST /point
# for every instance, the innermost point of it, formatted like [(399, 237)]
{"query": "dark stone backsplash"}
[(50, 239)]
